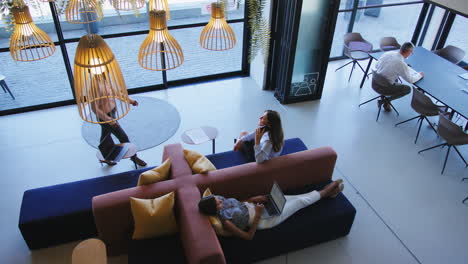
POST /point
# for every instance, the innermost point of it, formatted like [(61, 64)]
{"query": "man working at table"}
[(392, 65)]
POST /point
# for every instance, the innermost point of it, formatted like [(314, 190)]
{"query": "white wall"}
[(258, 66), (458, 5)]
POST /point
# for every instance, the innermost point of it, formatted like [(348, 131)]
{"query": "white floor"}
[(406, 211)]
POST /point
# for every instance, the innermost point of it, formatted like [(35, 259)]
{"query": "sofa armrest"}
[(179, 166), (113, 216), (198, 237)]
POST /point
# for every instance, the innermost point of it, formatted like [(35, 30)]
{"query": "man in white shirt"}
[(392, 65)]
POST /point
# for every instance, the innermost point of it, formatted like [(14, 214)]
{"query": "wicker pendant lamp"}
[(28, 42), (217, 35), (160, 5), (126, 5), (99, 83), (159, 51), (83, 11)]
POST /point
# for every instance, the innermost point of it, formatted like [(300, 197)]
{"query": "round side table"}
[(90, 251), (210, 132)]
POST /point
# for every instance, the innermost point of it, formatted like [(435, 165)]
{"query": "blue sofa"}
[(63, 213)]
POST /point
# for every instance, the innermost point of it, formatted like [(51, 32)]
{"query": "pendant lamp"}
[(99, 83), (28, 42), (159, 51), (217, 35), (83, 11), (159, 5), (126, 5)]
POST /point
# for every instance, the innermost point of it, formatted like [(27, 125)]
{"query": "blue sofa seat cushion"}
[(63, 213), (325, 220), (233, 158)]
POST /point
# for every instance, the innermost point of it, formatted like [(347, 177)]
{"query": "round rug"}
[(147, 125)]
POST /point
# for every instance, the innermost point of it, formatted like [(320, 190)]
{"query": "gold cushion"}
[(153, 217), (158, 174), (215, 221), (197, 162)]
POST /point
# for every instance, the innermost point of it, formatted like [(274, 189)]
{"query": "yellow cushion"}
[(197, 162), (215, 221), (153, 217), (158, 174)]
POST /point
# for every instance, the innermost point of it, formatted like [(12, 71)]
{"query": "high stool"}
[(5, 86)]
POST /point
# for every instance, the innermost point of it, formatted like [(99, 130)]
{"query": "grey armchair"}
[(453, 135), (378, 82), (389, 43), (424, 106), (356, 48), (451, 53)]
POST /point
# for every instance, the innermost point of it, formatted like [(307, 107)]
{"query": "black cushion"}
[(166, 249)]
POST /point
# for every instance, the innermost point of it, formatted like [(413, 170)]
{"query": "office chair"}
[(378, 82), (451, 53), (424, 106), (356, 48), (389, 43), (453, 135)]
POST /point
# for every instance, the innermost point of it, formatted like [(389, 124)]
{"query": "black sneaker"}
[(138, 161)]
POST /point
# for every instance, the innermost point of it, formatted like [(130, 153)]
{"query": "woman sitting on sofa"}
[(242, 219), (265, 142)]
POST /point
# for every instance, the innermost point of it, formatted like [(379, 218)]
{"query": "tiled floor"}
[(406, 211)]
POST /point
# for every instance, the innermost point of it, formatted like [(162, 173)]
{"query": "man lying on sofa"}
[(242, 219)]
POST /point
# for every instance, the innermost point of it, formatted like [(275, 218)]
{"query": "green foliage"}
[(259, 29)]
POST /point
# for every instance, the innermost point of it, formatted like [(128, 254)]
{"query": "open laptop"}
[(276, 202), (112, 152)]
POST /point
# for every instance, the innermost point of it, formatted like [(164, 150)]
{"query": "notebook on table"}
[(112, 152), (276, 202)]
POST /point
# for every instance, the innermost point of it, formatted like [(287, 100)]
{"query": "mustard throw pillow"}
[(153, 217), (215, 221), (197, 162), (158, 174)]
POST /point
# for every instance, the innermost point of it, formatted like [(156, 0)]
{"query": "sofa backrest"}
[(291, 171)]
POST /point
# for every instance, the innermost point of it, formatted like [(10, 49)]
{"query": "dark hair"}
[(275, 130), (407, 46), (207, 205)]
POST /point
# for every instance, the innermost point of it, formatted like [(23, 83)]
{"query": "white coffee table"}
[(210, 132)]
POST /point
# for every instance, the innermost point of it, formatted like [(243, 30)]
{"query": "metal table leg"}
[(367, 70)]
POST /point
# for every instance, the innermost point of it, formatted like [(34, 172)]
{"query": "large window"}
[(46, 83), (376, 23), (459, 34), (433, 27), (375, 19)]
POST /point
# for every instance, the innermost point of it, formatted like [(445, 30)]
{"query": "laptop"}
[(112, 152), (276, 202)]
